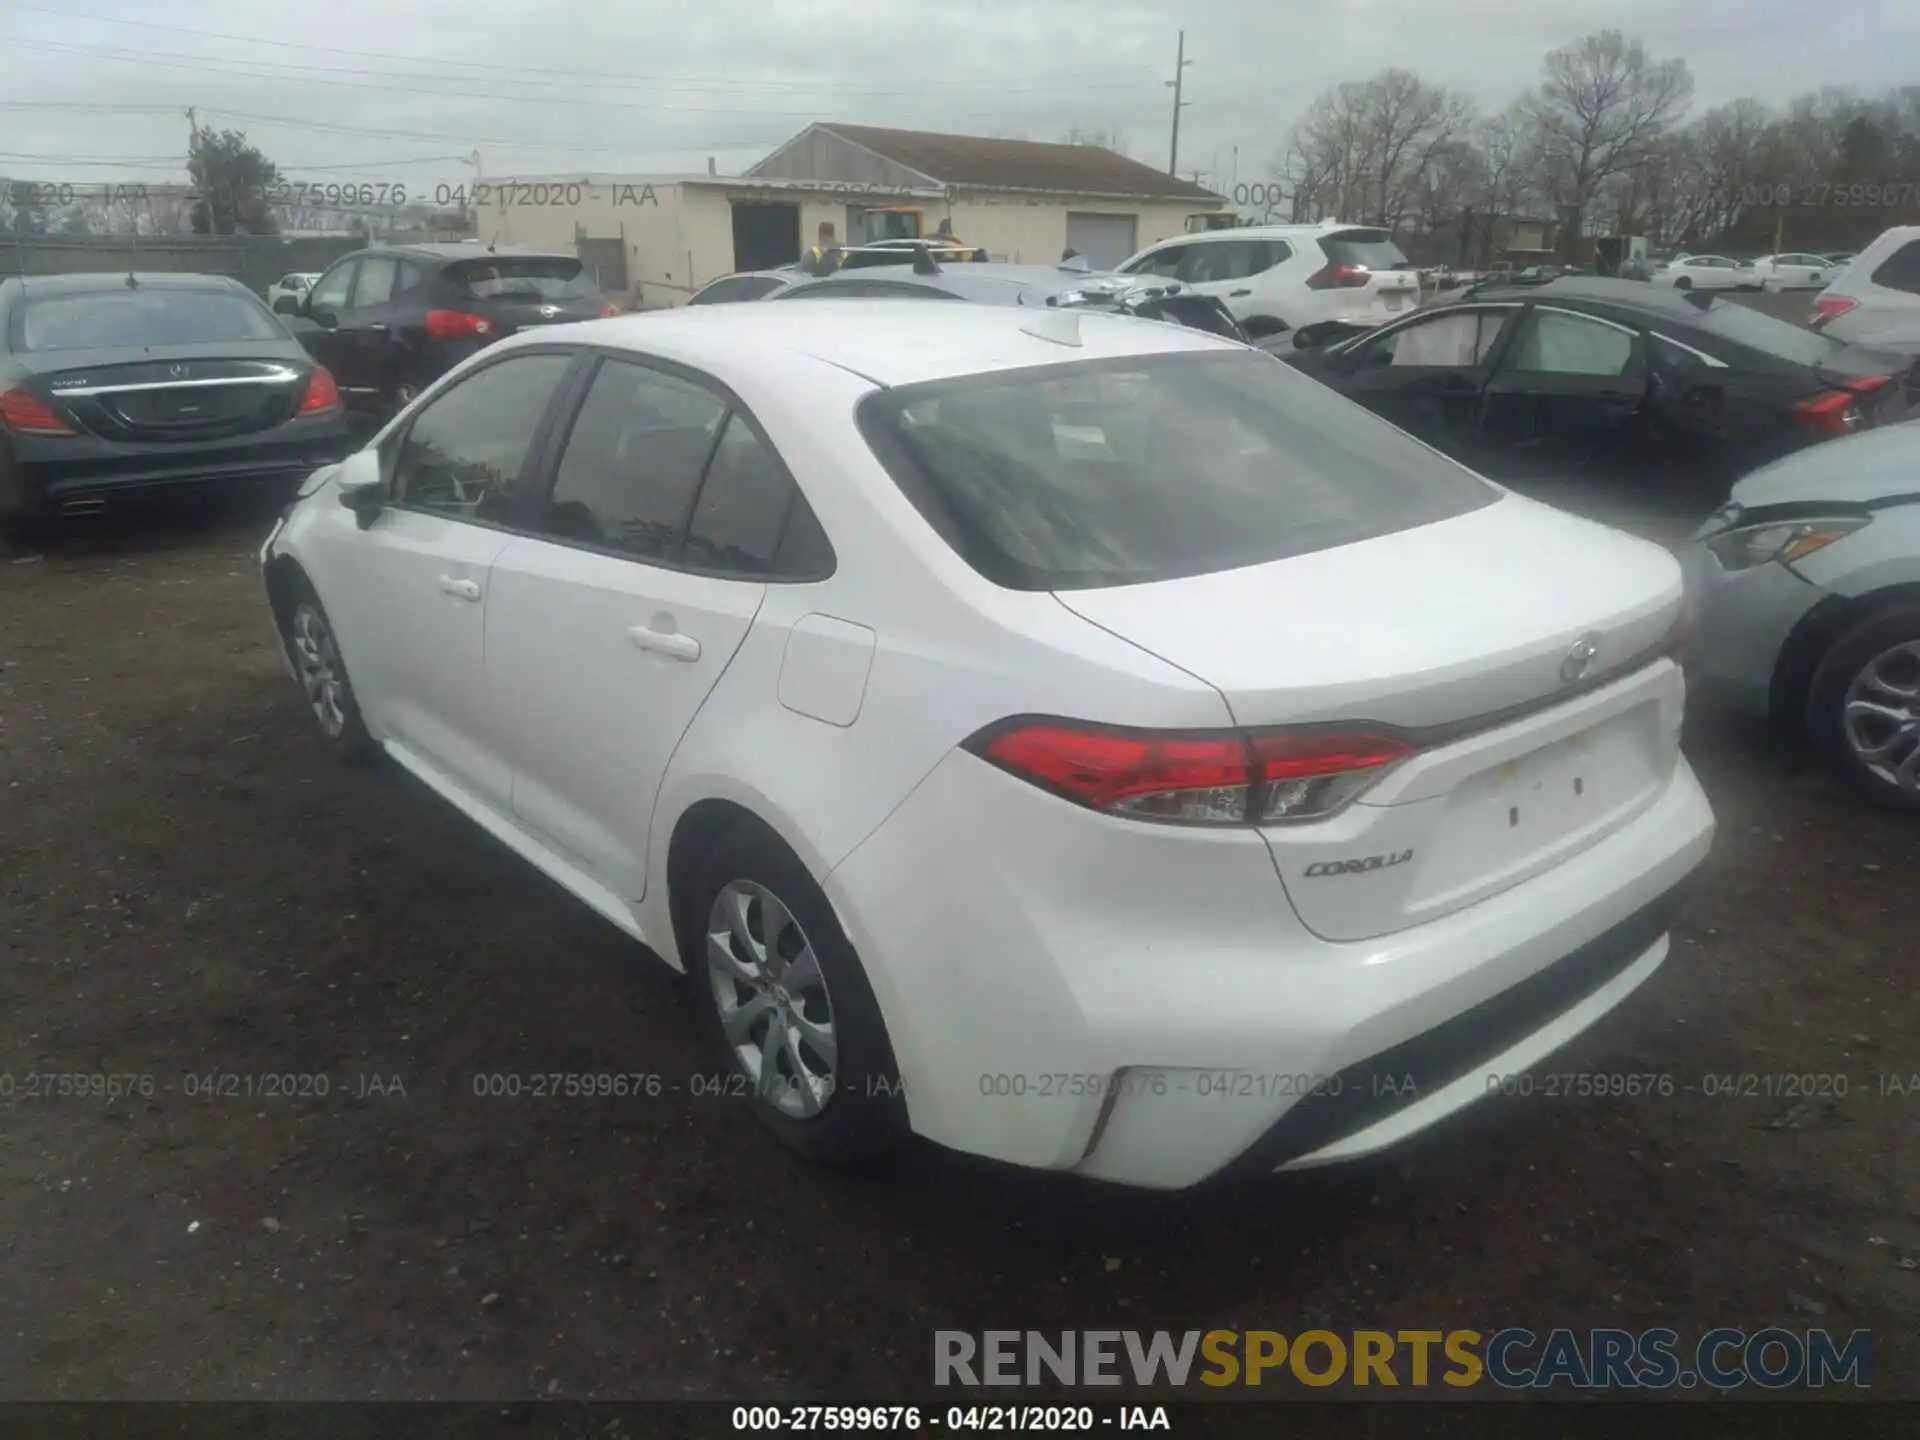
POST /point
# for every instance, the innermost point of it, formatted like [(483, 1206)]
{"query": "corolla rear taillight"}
[(1194, 778)]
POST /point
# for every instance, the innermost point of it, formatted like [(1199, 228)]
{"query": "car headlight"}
[(1746, 546)]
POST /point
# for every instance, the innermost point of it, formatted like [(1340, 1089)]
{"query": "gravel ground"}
[(189, 886)]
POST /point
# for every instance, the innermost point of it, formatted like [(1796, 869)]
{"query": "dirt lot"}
[(190, 886)]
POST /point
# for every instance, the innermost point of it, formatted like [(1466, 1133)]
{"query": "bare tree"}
[(1106, 137), (1362, 150), (1602, 107)]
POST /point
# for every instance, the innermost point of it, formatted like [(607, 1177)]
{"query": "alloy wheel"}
[(772, 998), (322, 676), (1880, 716)]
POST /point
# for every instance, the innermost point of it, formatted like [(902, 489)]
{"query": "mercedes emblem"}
[(1579, 658), (178, 372)]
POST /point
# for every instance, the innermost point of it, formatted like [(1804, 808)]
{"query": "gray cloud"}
[(552, 88)]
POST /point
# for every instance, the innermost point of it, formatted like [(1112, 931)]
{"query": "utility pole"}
[(1180, 63)]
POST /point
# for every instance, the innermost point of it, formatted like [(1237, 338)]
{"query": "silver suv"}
[(1876, 299)]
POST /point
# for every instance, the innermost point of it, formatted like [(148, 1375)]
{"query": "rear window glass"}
[(532, 277), (106, 319), (1152, 467), (1901, 270), (1370, 249), (1778, 338)]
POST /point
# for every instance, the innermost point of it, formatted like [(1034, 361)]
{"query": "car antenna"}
[(923, 261)]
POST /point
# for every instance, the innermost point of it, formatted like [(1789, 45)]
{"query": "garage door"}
[(1105, 240)]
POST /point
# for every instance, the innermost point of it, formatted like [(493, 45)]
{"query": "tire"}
[(746, 879), (1872, 662), (1683, 283), (315, 653)]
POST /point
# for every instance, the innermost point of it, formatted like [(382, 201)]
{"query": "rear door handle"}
[(459, 589), (665, 642), (377, 325), (1236, 294)]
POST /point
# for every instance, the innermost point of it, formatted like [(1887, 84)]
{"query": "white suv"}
[(1875, 297), (1276, 278)]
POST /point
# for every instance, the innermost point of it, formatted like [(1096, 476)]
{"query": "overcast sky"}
[(361, 90)]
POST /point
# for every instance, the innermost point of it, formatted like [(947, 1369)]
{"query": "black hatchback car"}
[(389, 321), (112, 384), (1584, 370)]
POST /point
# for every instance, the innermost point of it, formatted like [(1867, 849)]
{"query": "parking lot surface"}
[(191, 888)]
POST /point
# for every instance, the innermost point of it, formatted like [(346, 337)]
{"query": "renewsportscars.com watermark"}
[(1509, 1359)]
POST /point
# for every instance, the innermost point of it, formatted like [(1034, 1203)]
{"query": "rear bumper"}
[(1074, 992), (62, 471)]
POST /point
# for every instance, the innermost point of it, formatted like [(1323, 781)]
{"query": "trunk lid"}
[(521, 292), (194, 393), (1528, 754)]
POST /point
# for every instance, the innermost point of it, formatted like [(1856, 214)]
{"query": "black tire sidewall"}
[(1828, 690), (866, 1113), (353, 743)]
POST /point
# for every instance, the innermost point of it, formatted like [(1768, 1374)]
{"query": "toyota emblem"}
[(549, 311), (178, 372), (1579, 659)]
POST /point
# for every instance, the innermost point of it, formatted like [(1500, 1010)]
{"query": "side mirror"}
[(365, 498), (287, 305)]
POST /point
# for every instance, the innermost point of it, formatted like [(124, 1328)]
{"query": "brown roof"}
[(1019, 164)]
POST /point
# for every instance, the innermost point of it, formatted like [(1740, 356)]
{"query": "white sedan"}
[(1242, 784), (292, 286), (1793, 272), (1707, 272)]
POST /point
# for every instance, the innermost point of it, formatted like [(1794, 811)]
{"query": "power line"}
[(1044, 80)]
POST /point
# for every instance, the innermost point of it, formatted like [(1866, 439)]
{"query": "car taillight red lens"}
[(610, 310), (1339, 277), (1832, 307), (456, 325), (322, 394), (1838, 412), (1208, 778), (26, 414)]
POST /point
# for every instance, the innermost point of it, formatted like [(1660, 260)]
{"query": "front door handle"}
[(665, 642), (1235, 295), (459, 589)]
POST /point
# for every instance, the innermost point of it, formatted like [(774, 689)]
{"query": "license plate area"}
[(1522, 815)]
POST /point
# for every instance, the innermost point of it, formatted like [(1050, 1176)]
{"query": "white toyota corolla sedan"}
[(1073, 739)]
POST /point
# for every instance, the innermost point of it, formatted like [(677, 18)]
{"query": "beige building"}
[(1021, 201)]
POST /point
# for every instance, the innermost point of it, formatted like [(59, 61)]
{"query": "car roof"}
[(446, 251), (80, 282), (1049, 278), (1265, 232), (1635, 295), (890, 342)]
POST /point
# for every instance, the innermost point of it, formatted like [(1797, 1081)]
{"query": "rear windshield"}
[(106, 319), (1151, 467), (1779, 338), (1370, 249), (542, 277)]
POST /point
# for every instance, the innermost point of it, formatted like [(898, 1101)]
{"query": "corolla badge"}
[(1579, 659)]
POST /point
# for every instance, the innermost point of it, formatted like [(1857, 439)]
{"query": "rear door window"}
[(1559, 343), (633, 461), (1900, 270), (1114, 472), (112, 319)]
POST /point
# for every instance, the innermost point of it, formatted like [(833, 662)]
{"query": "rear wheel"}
[(1683, 283), (785, 1003), (1863, 711)]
